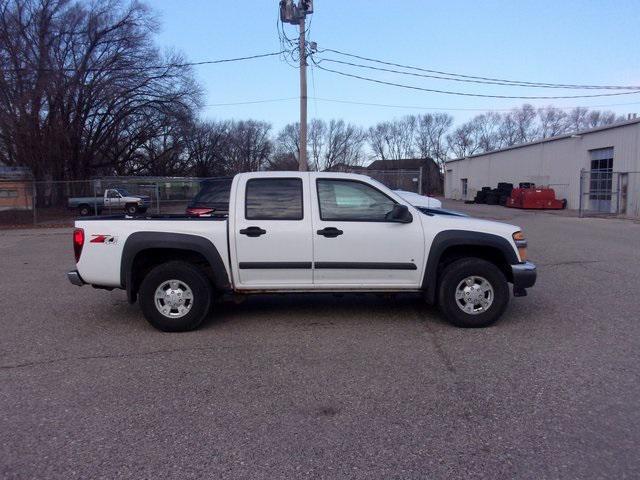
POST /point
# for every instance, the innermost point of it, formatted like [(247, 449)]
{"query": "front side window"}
[(274, 199), (352, 201)]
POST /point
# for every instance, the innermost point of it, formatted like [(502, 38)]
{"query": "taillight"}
[(199, 212), (78, 242)]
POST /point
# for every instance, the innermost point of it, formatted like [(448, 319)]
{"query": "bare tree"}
[(317, 132), (394, 140), (553, 121), (343, 145), (330, 144), (431, 136), (249, 146), (463, 141), (486, 129), (84, 89), (206, 144)]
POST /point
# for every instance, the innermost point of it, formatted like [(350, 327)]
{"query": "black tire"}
[(131, 208), (454, 274), (84, 210), (187, 274)]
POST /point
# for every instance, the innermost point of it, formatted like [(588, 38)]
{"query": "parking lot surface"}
[(323, 386)]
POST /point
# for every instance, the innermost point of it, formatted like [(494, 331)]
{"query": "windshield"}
[(122, 192)]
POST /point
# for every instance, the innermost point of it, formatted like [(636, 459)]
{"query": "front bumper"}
[(524, 275), (75, 278)]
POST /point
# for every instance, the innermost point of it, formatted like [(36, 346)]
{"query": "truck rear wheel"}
[(175, 297), (84, 210), (473, 293)]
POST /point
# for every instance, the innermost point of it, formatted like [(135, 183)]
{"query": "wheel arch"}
[(451, 245), (144, 250)]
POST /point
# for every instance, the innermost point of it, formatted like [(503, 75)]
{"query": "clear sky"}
[(577, 42)]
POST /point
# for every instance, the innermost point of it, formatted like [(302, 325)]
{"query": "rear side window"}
[(214, 193), (274, 199)]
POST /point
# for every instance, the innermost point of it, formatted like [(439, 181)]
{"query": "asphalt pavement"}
[(307, 386)]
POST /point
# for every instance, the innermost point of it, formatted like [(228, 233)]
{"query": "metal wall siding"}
[(557, 162)]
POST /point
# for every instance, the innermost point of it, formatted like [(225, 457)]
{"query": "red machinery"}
[(536, 198)]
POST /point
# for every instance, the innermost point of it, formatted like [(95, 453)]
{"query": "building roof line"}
[(626, 123)]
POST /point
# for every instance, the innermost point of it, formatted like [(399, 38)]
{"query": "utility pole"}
[(303, 165), (297, 15)]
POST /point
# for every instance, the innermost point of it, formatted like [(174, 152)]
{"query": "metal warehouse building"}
[(596, 170)]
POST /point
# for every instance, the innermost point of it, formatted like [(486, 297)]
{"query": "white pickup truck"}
[(116, 199), (304, 232)]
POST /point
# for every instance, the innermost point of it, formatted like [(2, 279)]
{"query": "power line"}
[(414, 107), (486, 82), (149, 67), (250, 102), (519, 82), (478, 95)]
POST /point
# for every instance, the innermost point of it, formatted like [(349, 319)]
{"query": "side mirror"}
[(399, 214)]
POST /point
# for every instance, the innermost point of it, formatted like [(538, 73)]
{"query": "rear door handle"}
[(253, 231), (330, 232)]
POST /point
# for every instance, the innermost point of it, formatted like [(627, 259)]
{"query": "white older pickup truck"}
[(304, 232)]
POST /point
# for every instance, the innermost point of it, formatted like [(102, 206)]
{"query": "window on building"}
[(601, 174), (352, 201), (274, 199), (463, 181), (6, 193)]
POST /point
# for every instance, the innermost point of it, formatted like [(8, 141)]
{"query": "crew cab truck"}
[(304, 232), (114, 199)]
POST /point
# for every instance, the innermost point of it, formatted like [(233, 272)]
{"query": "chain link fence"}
[(607, 193), (408, 180), (24, 202), (59, 203)]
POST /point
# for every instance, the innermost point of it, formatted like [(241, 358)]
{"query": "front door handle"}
[(253, 231), (330, 232)]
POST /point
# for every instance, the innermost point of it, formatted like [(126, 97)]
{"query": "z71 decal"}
[(107, 239)]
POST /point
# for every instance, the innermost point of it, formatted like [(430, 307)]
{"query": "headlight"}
[(521, 244)]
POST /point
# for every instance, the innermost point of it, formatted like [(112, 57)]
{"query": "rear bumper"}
[(524, 275), (75, 278)]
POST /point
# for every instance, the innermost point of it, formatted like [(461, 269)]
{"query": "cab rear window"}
[(214, 193)]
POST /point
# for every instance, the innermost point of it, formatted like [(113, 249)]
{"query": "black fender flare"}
[(451, 238), (140, 241)]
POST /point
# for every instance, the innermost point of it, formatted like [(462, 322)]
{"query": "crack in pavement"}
[(569, 262), (105, 356)]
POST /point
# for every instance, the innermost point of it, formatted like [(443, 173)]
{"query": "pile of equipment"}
[(532, 197), (527, 195), (494, 196)]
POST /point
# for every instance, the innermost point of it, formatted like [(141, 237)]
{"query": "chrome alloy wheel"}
[(474, 295), (173, 298)]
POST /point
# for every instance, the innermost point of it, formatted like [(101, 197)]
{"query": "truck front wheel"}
[(472, 293), (175, 296), (131, 208)]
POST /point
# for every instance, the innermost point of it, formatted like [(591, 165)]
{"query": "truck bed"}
[(106, 237)]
